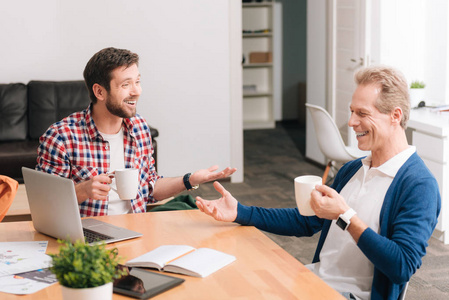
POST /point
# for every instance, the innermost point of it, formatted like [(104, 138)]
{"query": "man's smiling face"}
[(370, 125), (124, 92)]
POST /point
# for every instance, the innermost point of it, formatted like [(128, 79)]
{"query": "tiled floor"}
[(273, 158)]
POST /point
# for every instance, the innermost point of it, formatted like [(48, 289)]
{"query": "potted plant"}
[(85, 271), (417, 92)]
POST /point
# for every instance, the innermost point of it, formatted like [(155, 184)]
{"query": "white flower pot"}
[(103, 292), (416, 96)]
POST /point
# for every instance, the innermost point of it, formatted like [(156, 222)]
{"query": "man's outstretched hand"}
[(222, 209), (210, 174)]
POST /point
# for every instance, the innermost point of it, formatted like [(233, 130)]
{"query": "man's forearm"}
[(356, 228), (167, 187), (81, 194)]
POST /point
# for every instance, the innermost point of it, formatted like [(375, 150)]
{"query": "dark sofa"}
[(26, 111)]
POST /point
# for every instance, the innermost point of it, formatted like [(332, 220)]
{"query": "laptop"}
[(55, 212)]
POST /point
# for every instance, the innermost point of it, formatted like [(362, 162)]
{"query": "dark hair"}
[(99, 68)]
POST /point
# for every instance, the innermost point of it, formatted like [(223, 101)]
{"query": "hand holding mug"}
[(304, 185), (126, 182)]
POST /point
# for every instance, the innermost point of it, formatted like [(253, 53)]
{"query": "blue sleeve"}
[(288, 221), (415, 205), (283, 221)]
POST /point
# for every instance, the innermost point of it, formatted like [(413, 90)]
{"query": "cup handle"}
[(112, 176)]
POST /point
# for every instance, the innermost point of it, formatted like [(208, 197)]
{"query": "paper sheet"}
[(27, 283), (23, 267), (19, 257)]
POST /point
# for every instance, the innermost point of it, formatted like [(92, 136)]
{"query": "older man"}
[(376, 218)]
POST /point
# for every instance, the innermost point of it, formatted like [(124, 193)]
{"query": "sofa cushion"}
[(51, 101), (13, 108)]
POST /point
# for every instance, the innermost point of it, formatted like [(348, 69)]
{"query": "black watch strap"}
[(187, 184)]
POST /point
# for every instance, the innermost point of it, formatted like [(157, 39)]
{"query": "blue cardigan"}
[(408, 217)]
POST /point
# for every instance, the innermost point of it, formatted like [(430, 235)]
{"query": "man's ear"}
[(396, 115), (99, 92)]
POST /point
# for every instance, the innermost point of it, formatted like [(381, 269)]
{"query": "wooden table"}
[(263, 270), (20, 209)]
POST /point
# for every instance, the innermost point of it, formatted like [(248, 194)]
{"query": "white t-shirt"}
[(342, 264), (116, 206)]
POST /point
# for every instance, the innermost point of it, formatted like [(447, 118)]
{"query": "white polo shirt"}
[(342, 264)]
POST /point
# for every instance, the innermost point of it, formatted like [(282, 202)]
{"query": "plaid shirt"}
[(74, 148)]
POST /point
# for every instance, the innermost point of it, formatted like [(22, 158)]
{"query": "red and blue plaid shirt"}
[(74, 148)]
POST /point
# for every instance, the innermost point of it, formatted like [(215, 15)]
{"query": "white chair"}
[(329, 140)]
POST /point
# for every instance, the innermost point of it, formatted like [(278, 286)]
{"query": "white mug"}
[(304, 185), (127, 183)]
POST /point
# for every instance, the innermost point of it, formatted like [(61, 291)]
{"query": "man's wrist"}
[(81, 194), (187, 184), (344, 220)]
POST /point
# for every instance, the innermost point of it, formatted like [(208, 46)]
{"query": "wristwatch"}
[(187, 184), (344, 220)]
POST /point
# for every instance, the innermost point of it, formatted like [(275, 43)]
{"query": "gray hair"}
[(394, 89)]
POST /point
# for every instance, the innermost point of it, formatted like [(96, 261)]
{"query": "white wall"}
[(437, 52), (184, 49), (402, 33), (413, 37), (316, 71)]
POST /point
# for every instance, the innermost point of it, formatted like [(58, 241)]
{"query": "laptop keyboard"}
[(92, 236)]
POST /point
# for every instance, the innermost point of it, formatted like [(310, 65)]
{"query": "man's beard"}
[(117, 110)]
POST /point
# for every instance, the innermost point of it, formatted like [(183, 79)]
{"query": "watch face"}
[(342, 224)]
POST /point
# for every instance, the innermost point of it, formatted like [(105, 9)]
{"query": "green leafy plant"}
[(82, 265), (417, 85)]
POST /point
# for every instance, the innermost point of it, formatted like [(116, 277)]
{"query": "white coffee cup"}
[(127, 183), (304, 185)]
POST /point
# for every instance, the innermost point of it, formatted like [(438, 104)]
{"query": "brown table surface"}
[(263, 270), (20, 209)]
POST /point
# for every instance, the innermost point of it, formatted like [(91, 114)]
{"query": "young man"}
[(86, 146), (380, 211)]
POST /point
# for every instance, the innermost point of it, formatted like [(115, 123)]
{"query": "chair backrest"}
[(328, 135)]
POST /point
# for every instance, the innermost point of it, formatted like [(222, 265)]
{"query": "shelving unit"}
[(258, 36)]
